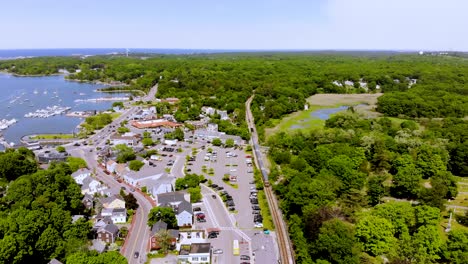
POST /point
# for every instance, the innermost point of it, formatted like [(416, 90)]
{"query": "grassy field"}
[(51, 136), (462, 197), (115, 115), (303, 120)]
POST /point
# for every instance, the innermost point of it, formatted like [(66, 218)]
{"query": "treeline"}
[(332, 185), (36, 214), (415, 86)]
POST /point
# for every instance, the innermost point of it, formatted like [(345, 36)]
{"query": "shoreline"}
[(66, 79)]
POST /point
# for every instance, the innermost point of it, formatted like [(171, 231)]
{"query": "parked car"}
[(196, 209), (255, 207), (219, 188), (244, 257), (212, 235), (136, 254), (214, 185), (218, 251), (232, 208), (201, 220)]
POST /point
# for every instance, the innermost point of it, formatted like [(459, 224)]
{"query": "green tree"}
[(164, 214), (335, 243), (60, 149), (457, 247), (216, 142), (163, 237), (195, 194), (428, 244), (147, 142), (229, 143), (76, 163), (131, 202), (135, 165), (375, 234), (124, 153)]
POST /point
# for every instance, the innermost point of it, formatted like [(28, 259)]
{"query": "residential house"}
[(158, 226), (77, 217), (91, 186), (80, 175), (108, 233), (54, 261), (155, 182), (179, 202), (129, 139), (223, 115), (110, 166), (88, 201), (208, 110), (117, 215), (195, 253), (112, 202)]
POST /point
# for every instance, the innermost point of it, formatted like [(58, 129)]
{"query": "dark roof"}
[(165, 199), (111, 228), (184, 206), (160, 225), (200, 248), (174, 233)]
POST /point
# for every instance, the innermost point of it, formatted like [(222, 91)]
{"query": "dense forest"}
[(357, 191), (333, 182), (36, 214), (282, 81)]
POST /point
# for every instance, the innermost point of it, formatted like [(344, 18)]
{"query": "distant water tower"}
[(421, 52)]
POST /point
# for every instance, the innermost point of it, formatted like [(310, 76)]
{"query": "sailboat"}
[(35, 91), (45, 92)]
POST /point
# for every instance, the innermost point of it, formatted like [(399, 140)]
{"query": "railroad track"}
[(284, 243)]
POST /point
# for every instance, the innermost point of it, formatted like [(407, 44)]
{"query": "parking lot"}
[(232, 164)]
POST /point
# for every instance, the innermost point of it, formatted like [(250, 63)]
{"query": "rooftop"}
[(197, 248)]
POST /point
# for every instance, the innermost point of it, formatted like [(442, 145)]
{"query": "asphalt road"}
[(138, 237)]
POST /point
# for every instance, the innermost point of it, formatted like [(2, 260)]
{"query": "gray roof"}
[(165, 199), (160, 225), (80, 172), (76, 218), (55, 261), (98, 245), (110, 228), (184, 206), (109, 199)]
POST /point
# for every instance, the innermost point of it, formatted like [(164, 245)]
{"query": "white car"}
[(218, 251), (258, 225)]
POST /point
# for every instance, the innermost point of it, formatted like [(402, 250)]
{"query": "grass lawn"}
[(52, 136), (462, 197), (263, 203), (115, 115)]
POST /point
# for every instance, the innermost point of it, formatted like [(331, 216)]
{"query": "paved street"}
[(137, 239)]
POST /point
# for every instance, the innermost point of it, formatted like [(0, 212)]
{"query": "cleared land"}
[(304, 120)]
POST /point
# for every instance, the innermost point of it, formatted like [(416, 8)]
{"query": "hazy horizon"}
[(242, 25)]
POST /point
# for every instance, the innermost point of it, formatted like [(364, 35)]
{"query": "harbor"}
[(47, 112), (102, 99), (18, 99), (5, 123)]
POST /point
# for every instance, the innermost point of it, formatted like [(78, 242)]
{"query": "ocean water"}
[(8, 54), (21, 95)]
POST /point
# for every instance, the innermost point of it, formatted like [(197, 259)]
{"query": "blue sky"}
[(235, 24)]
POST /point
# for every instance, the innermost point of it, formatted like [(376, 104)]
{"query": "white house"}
[(112, 202), (118, 215), (110, 166), (179, 202), (195, 253), (91, 186), (80, 175), (129, 139)]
